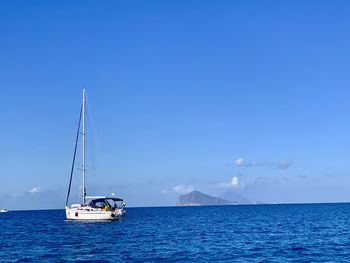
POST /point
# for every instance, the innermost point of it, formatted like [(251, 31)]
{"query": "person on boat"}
[(107, 206)]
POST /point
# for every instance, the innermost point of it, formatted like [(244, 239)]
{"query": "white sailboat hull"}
[(90, 213)]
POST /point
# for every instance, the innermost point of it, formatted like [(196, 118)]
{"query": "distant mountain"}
[(197, 198), (234, 197)]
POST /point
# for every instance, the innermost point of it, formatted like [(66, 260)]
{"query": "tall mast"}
[(83, 133)]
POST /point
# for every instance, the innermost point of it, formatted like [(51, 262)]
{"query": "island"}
[(197, 198)]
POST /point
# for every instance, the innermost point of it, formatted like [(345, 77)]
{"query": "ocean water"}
[(256, 233)]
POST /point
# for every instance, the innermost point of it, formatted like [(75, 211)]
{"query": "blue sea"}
[(252, 233)]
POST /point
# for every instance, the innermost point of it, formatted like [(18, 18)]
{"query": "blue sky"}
[(249, 96)]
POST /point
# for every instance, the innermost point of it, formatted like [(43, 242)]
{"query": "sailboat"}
[(92, 207)]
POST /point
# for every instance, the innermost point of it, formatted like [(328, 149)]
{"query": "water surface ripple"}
[(257, 233)]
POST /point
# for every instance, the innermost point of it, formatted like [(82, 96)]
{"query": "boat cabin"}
[(107, 203)]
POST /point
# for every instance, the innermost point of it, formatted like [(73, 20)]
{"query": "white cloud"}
[(164, 191), (35, 190), (239, 162), (283, 164), (183, 189), (234, 183)]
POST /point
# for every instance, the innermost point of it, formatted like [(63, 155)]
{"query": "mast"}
[(83, 133), (75, 152)]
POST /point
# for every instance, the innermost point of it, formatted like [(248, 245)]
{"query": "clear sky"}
[(249, 96)]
